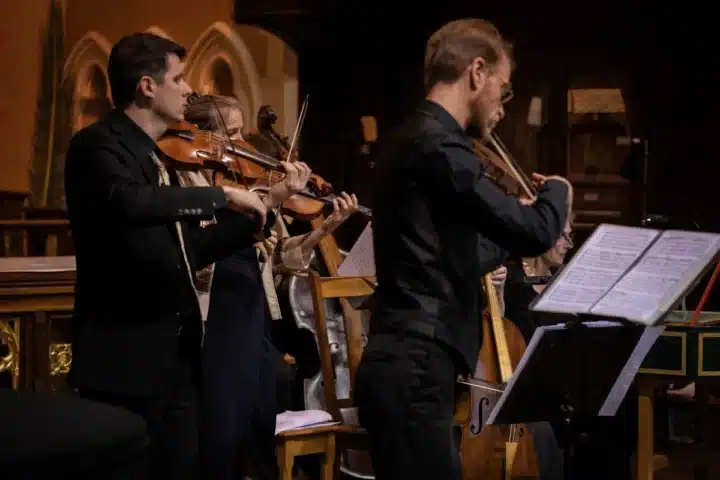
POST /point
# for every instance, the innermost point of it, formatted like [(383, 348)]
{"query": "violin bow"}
[(298, 128), (226, 132)]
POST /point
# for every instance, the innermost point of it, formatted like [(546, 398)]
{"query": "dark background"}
[(365, 58)]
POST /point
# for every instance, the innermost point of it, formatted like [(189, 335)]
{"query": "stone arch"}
[(277, 63), (221, 50), (154, 29), (85, 80), (93, 48)]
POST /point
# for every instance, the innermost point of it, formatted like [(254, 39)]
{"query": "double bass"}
[(491, 451)]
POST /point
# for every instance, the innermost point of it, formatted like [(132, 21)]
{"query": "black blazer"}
[(134, 295)]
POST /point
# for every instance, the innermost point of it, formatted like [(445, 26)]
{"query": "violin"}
[(265, 120), (501, 168), (190, 148)]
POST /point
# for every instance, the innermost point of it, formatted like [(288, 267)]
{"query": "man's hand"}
[(244, 201), (344, 205), (499, 275), (268, 245), (538, 180), (297, 175)]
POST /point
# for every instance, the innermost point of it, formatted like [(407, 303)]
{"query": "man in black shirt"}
[(436, 220), (137, 329)]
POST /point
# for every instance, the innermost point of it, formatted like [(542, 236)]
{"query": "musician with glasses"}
[(607, 442), (433, 203), (517, 294)]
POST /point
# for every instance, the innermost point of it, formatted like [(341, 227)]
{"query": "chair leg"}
[(328, 463), (285, 460)]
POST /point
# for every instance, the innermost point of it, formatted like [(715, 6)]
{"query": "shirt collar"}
[(133, 136), (441, 115)]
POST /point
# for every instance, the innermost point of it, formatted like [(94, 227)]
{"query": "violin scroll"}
[(266, 118)]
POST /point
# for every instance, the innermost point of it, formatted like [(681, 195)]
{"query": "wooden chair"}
[(305, 441), (348, 436)]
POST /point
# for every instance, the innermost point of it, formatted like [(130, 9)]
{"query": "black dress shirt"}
[(440, 224)]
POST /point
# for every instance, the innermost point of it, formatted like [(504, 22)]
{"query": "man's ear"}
[(147, 87), (478, 74)]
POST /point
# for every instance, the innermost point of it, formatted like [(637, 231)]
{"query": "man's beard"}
[(479, 131)]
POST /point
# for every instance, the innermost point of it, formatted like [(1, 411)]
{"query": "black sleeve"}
[(491, 256), (231, 231), (524, 231), (100, 184)]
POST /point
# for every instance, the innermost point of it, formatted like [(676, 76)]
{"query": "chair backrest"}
[(338, 287)]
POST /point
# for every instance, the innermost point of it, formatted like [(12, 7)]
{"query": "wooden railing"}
[(35, 238)]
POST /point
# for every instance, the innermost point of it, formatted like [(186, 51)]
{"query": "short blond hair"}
[(456, 44)]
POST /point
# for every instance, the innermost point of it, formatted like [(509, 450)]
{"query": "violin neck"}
[(329, 200), (258, 158)]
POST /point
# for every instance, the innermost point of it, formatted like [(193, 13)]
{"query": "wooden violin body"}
[(502, 170), (240, 164)]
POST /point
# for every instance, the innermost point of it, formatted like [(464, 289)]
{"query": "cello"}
[(295, 291), (493, 451)]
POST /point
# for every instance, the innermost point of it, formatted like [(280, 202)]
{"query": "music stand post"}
[(567, 373)]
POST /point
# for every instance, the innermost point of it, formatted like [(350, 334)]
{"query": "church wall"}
[(256, 67), (21, 31)]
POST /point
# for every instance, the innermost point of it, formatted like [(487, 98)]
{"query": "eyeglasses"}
[(507, 91)]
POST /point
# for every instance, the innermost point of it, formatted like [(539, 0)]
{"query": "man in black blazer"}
[(137, 330)]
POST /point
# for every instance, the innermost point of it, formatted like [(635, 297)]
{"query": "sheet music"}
[(360, 261), (664, 273), (291, 420), (592, 272)]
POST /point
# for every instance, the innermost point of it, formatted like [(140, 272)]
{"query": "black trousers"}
[(405, 393), (171, 419)]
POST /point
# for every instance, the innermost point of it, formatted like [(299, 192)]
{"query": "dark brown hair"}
[(134, 57), (456, 44)]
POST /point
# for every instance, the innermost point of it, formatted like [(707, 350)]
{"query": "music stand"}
[(580, 369)]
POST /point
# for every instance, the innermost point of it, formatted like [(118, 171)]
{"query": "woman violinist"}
[(240, 364)]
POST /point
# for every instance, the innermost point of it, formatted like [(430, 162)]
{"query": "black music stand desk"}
[(574, 370)]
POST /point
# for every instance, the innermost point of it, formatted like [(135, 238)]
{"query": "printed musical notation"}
[(637, 274)]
